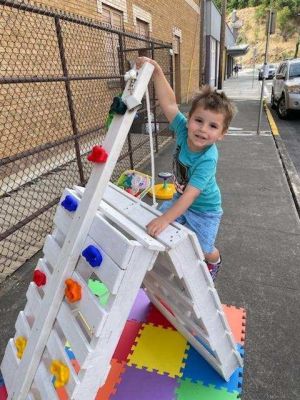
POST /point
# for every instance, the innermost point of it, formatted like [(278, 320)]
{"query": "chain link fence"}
[(58, 76)]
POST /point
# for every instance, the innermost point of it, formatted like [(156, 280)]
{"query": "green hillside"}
[(288, 13)]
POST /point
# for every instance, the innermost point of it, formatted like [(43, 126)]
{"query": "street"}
[(289, 130)]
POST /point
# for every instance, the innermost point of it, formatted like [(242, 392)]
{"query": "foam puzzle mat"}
[(154, 361)]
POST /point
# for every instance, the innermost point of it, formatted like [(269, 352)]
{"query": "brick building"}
[(172, 21), (61, 65)]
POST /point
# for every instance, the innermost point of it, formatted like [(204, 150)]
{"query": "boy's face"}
[(205, 127)]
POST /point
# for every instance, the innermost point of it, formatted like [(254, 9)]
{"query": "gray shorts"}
[(205, 224)]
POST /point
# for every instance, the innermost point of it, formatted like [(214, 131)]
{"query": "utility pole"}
[(222, 44), (298, 42), (202, 42), (265, 69), (254, 62)]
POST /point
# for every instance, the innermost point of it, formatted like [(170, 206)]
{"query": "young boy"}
[(197, 203)]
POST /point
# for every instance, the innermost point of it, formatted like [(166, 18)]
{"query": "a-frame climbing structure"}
[(100, 230)]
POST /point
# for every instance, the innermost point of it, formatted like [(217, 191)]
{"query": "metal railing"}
[(58, 75)]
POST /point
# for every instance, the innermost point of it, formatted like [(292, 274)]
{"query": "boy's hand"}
[(141, 60), (157, 225)]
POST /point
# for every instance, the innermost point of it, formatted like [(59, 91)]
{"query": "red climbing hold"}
[(39, 278), (98, 155)]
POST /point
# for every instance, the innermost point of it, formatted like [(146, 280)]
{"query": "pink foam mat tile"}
[(3, 393), (127, 340)]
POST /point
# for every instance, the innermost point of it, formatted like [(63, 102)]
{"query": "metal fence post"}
[(154, 106), (69, 96), (122, 73)]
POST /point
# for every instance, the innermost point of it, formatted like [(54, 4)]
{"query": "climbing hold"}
[(118, 106), (72, 290), (39, 278), (61, 373), (92, 256), (70, 203), (98, 155), (109, 119), (20, 343)]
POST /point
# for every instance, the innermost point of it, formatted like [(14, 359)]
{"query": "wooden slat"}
[(137, 232), (33, 300), (43, 382), (93, 313), (9, 365), (74, 334), (139, 213), (51, 250), (105, 344), (22, 326), (80, 226), (200, 348), (114, 243), (180, 314), (42, 266), (57, 351), (108, 273)]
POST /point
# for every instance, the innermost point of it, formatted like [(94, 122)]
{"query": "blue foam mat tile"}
[(197, 369)]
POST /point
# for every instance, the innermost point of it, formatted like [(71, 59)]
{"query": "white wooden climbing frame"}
[(171, 268)]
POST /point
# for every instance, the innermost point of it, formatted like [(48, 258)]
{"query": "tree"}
[(254, 3), (286, 22)]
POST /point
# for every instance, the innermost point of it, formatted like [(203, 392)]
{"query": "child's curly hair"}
[(210, 99)]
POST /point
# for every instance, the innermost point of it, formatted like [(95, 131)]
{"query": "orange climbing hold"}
[(20, 343), (72, 291), (61, 373)]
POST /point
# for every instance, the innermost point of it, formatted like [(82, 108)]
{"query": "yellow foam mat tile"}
[(158, 349)]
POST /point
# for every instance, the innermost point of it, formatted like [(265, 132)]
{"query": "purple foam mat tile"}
[(139, 384), (140, 308)]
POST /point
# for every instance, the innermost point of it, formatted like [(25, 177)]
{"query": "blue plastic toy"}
[(93, 256), (70, 203)]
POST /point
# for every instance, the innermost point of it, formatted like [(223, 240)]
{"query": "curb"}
[(272, 123), (287, 164)]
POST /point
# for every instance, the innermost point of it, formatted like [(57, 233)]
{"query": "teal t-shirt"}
[(195, 168)]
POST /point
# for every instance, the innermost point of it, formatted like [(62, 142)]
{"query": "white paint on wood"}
[(73, 332), (9, 365), (43, 383), (22, 326), (57, 351), (115, 221)]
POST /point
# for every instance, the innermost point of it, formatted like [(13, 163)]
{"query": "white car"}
[(267, 71), (286, 88)]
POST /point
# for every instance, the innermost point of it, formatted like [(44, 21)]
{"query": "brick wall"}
[(166, 15)]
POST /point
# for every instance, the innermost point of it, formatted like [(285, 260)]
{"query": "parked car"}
[(269, 69), (286, 88)]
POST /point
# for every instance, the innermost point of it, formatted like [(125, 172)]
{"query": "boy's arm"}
[(163, 90), (157, 225)]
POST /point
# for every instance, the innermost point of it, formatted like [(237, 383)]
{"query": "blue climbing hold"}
[(70, 203), (92, 256)]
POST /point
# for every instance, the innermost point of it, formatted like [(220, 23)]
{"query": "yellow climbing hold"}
[(20, 343), (61, 373)]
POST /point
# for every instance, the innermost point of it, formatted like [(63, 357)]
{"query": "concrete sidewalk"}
[(260, 243)]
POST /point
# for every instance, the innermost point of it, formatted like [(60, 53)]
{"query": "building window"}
[(113, 18), (142, 28), (142, 21), (113, 6)]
